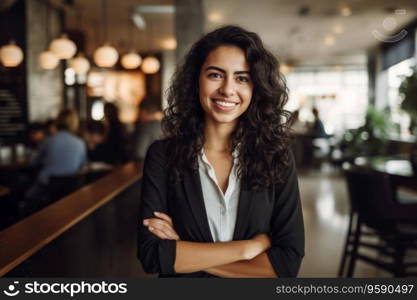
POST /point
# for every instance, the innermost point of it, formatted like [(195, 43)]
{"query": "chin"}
[(224, 118)]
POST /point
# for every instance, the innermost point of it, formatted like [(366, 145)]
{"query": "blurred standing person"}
[(94, 136), (302, 140), (113, 148), (297, 126), (317, 128), (147, 129), (62, 154)]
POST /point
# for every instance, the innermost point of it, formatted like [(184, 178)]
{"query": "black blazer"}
[(276, 211)]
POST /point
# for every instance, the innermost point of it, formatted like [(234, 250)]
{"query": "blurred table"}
[(398, 167), (15, 164), (4, 190)]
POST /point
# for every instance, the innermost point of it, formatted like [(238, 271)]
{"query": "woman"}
[(219, 193)]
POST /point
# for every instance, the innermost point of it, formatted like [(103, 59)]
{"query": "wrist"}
[(250, 249)]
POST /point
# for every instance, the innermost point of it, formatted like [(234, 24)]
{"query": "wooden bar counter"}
[(21, 241)]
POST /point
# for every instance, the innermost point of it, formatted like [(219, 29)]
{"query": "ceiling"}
[(302, 32)]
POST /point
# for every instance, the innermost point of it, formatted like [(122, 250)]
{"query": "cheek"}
[(246, 95), (208, 88)]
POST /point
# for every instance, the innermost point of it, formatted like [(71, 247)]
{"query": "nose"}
[(227, 88)]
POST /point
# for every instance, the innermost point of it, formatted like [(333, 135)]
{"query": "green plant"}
[(370, 139), (408, 91)]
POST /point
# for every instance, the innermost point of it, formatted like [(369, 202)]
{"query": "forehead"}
[(227, 57)]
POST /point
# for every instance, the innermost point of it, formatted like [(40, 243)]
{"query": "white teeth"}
[(222, 103)]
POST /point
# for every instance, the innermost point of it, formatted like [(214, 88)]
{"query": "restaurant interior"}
[(102, 68)]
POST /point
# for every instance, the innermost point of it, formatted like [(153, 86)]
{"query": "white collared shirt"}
[(221, 208)]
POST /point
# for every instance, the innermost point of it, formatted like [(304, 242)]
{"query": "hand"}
[(258, 244), (161, 226)]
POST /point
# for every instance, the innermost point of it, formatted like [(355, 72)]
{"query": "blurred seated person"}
[(147, 129), (36, 135), (51, 128), (62, 154)]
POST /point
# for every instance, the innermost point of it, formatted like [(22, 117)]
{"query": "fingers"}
[(161, 228), (163, 217), (159, 233)]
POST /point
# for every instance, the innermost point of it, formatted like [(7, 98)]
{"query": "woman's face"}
[(225, 86)]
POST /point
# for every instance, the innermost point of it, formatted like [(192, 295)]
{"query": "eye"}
[(214, 75), (243, 79)]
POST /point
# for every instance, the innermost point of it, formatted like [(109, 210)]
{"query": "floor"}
[(326, 210)]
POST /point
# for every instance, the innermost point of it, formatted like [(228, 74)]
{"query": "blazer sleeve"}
[(287, 227), (156, 255)]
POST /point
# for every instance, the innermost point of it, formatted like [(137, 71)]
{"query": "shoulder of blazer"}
[(158, 150)]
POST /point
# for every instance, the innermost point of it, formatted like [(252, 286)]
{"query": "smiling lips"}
[(225, 105)]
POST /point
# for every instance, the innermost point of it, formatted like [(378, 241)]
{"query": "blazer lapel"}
[(194, 195), (244, 207)]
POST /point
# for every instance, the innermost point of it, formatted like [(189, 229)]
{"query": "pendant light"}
[(80, 64), (11, 55), (132, 59), (63, 47), (150, 65), (105, 56), (48, 59)]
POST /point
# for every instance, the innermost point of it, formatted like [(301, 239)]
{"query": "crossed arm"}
[(245, 258)]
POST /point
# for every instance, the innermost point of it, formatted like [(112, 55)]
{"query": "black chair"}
[(376, 213), (61, 186), (42, 195)]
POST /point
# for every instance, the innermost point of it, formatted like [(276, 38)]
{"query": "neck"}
[(218, 136)]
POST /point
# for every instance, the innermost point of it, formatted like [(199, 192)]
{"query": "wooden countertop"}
[(20, 241)]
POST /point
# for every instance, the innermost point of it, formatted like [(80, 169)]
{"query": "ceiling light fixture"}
[(80, 64), (346, 11), (131, 60), (329, 40), (338, 29), (11, 55), (215, 17), (285, 68), (105, 56), (150, 65), (48, 60), (63, 47), (169, 44)]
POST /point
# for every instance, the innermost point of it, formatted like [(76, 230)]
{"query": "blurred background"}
[(82, 90)]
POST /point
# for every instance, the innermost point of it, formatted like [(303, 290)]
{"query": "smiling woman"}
[(220, 194)]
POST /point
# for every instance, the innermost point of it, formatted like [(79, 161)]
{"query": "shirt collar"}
[(203, 156)]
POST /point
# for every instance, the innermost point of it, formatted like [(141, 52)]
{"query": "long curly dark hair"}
[(262, 133)]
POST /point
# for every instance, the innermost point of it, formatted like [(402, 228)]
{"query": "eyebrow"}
[(224, 72)]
